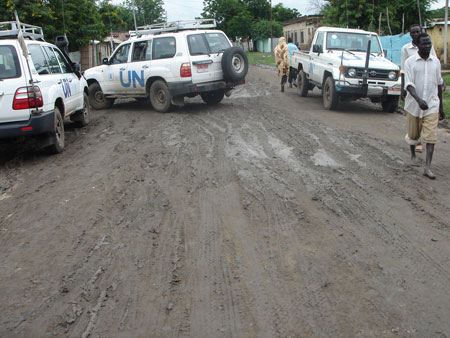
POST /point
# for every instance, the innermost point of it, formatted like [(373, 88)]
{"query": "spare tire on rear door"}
[(234, 64)]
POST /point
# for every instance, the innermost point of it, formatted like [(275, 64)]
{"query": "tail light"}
[(185, 70), (28, 97)]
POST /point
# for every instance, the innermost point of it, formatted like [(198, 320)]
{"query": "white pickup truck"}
[(348, 64)]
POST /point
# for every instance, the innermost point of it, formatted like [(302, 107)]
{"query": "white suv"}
[(39, 87), (167, 62)]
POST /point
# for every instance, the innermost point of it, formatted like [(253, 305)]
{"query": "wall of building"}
[(437, 36), (302, 30)]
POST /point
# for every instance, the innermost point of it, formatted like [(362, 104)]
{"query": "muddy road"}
[(264, 216)]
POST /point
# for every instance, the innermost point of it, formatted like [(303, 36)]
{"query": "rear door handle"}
[(144, 67), (70, 80), (59, 81), (122, 68)]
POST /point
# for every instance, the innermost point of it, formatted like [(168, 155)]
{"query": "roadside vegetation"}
[(261, 58)]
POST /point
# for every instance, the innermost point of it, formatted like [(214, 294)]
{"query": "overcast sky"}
[(189, 9)]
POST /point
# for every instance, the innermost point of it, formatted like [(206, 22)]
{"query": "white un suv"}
[(167, 62), (39, 87)]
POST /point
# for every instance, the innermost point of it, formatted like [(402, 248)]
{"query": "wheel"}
[(213, 97), (302, 83), (234, 64), (58, 136), (330, 97), (82, 117), (160, 96), (97, 99), (390, 105)]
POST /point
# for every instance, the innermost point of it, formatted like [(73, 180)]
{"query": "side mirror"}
[(317, 49), (105, 61), (76, 67), (385, 52)]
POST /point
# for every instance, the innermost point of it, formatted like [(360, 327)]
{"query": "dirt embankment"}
[(264, 216)]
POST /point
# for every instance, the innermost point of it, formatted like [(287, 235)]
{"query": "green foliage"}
[(81, 20), (437, 13), (261, 30), (365, 15), (281, 13), (245, 18)]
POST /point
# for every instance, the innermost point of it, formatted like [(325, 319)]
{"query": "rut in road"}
[(253, 218)]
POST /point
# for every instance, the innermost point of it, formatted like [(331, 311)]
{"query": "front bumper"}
[(36, 125), (374, 89), (185, 88)]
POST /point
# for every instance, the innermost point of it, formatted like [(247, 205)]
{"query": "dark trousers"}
[(292, 74)]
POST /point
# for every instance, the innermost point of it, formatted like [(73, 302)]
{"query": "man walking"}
[(423, 101), (292, 71), (408, 50)]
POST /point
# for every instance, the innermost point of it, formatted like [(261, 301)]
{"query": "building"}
[(93, 54), (302, 29), (436, 32)]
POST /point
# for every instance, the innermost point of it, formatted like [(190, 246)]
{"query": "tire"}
[(160, 97), (330, 97), (58, 135), (97, 99), (214, 97), (82, 117), (302, 83), (390, 105), (234, 64)]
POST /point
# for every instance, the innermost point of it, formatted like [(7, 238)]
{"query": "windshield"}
[(355, 42)]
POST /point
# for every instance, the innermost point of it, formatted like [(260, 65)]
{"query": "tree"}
[(365, 15), (261, 30), (78, 19), (147, 11), (281, 13)]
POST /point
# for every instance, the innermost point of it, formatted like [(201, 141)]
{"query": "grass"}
[(446, 78), (261, 58), (446, 98)]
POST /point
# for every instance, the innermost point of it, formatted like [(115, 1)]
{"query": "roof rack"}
[(173, 26), (9, 29)]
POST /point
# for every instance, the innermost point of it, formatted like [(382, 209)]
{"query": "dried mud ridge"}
[(264, 216)]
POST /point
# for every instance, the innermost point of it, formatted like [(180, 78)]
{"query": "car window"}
[(62, 61), (39, 59), (142, 51), (121, 55), (52, 61), (319, 40), (164, 48), (9, 63), (217, 42), (197, 44)]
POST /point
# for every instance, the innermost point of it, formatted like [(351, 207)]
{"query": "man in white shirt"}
[(408, 50), (424, 100)]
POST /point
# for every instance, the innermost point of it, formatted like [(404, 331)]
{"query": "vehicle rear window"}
[(39, 59), (197, 44), (164, 48), (217, 42), (9, 63)]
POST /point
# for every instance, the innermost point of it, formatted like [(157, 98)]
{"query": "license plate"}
[(202, 68), (394, 91)]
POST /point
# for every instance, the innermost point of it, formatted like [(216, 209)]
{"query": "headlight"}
[(392, 75), (351, 72)]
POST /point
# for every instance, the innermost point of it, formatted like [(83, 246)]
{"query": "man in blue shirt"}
[(292, 71)]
